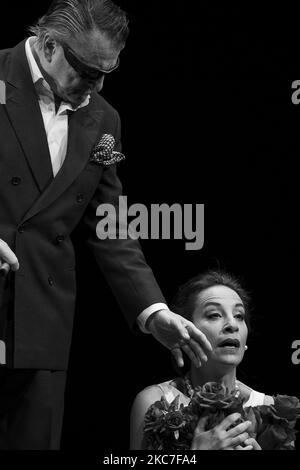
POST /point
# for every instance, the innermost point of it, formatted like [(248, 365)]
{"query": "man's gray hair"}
[(67, 19)]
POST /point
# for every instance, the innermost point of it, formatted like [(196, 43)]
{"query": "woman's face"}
[(220, 314)]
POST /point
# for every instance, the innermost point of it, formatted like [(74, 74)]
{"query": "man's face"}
[(71, 69)]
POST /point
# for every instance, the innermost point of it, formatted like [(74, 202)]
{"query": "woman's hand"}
[(221, 437), (249, 444)]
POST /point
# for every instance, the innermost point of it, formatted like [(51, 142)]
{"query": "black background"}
[(205, 100)]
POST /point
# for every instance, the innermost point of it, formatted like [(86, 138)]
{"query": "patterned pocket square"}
[(104, 154)]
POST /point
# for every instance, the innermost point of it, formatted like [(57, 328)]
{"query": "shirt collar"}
[(37, 75)]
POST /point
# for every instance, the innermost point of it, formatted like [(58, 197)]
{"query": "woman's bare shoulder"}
[(147, 397), (152, 392), (142, 402)]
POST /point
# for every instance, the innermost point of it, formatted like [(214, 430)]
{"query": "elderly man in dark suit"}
[(51, 118)]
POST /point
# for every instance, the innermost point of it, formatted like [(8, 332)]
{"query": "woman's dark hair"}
[(185, 299)]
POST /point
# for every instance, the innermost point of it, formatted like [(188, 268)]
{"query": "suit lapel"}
[(25, 115), (84, 128), (26, 118)]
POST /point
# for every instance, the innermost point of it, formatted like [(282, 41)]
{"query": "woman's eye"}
[(240, 316), (214, 315)]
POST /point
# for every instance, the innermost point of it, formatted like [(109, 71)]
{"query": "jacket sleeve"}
[(121, 260)]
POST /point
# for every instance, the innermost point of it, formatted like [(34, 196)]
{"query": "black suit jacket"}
[(38, 214)]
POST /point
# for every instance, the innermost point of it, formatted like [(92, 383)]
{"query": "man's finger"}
[(6, 254), (4, 268), (181, 328), (190, 353), (198, 336), (178, 356), (198, 351)]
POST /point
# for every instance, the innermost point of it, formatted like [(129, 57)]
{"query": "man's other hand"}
[(8, 259)]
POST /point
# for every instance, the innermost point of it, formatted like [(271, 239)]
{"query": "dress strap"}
[(255, 399), (168, 391)]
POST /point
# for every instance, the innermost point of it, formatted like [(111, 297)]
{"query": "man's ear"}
[(49, 47)]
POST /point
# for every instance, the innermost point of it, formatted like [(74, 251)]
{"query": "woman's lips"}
[(229, 343)]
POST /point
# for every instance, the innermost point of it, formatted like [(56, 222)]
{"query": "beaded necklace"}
[(189, 389)]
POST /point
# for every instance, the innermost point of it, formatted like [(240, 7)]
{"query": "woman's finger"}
[(201, 424), (229, 421), (239, 429), (253, 443), (235, 441)]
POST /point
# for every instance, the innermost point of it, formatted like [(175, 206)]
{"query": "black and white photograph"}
[(149, 240)]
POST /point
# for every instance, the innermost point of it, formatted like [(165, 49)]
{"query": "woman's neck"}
[(203, 375)]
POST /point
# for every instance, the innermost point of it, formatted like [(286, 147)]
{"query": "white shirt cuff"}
[(143, 317)]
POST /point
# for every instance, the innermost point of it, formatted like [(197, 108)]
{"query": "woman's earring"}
[(246, 347)]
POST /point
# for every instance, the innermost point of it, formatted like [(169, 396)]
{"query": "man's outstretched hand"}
[(177, 334), (8, 259)]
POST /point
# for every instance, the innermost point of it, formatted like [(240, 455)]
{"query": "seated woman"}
[(218, 305)]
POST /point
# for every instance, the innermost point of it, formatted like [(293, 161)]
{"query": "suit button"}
[(16, 181), (50, 281), (80, 198), (21, 229), (60, 238)]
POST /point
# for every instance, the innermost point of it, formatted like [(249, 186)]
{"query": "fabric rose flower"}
[(215, 401), (273, 426), (287, 407), (175, 420), (170, 426)]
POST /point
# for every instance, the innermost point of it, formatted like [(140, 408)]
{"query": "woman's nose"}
[(231, 326)]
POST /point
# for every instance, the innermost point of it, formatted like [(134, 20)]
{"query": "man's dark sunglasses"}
[(85, 71)]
